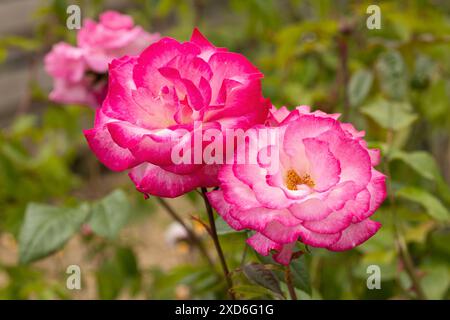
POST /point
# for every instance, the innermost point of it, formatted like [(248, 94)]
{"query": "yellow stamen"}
[(293, 179)]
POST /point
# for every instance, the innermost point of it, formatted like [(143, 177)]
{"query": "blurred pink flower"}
[(114, 36), (79, 73), (156, 101), (68, 68), (323, 193)]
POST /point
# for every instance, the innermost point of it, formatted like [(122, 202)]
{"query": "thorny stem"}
[(191, 234), (290, 285), (399, 239), (215, 238)]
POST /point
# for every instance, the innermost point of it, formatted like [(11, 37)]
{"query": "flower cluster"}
[(322, 189), (79, 73), (155, 102)]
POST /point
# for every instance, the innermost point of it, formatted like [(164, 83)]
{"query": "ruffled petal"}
[(355, 234), (223, 207), (262, 244), (324, 168), (156, 181)]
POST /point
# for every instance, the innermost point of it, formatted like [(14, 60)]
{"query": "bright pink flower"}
[(114, 36), (79, 73), (323, 192), (156, 102)]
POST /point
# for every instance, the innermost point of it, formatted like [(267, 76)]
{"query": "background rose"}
[(166, 92), (67, 66), (323, 193), (79, 73), (114, 36)]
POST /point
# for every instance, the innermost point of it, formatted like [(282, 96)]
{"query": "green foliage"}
[(392, 75), (299, 273), (110, 214), (422, 162), (433, 206), (359, 86), (436, 281), (390, 115), (118, 273), (46, 229), (263, 276)]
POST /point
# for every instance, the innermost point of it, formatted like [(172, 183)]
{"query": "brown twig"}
[(215, 238), (191, 234)]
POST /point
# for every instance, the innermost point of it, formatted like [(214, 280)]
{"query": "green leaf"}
[(424, 164), (390, 115), (110, 280), (127, 261), (110, 214), (359, 86), (392, 75), (260, 274), (223, 228), (419, 233), (251, 291), (433, 206), (300, 274), (119, 272), (423, 70), (46, 229), (436, 281), (420, 161)]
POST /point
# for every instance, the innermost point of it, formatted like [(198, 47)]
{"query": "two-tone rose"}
[(323, 193)]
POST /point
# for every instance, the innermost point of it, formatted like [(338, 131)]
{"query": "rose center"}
[(293, 179)]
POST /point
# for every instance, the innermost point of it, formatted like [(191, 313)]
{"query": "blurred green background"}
[(59, 206)]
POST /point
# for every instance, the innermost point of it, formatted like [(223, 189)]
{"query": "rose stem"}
[(290, 285), (215, 238), (191, 234)]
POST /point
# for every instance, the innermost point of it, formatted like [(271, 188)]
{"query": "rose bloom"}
[(157, 100), (71, 84), (323, 192), (79, 73), (114, 36)]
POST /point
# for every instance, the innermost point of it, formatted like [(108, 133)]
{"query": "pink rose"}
[(65, 62), (162, 99), (79, 73), (323, 191), (71, 84), (113, 37)]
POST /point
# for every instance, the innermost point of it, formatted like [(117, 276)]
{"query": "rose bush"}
[(165, 96), (79, 73), (323, 193)]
